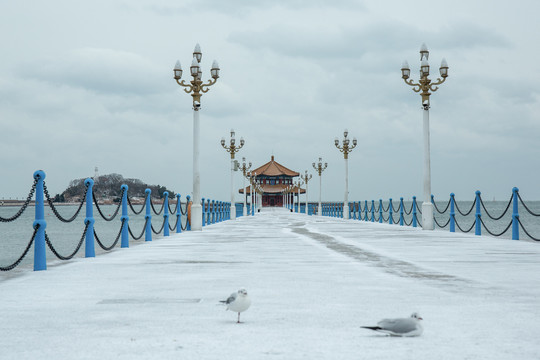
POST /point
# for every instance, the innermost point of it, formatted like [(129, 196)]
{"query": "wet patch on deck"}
[(392, 266)]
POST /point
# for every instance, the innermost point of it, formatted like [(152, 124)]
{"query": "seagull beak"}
[(420, 318)]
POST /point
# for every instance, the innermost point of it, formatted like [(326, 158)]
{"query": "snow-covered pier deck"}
[(313, 282)]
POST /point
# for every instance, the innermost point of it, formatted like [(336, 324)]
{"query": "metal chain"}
[(49, 244), (493, 234), (418, 220), (460, 229), (489, 215), (446, 208), (132, 209), (388, 207), (526, 208), (53, 208), (468, 212), (183, 228), (115, 240), (185, 211), (409, 223), (439, 225), (162, 226), (142, 233), (16, 263), (23, 208), (154, 209), (525, 231), (408, 213), (99, 209), (171, 210), (417, 207), (175, 225)]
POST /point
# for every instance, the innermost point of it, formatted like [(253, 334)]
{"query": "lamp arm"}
[(411, 83), (188, 87), (210, 83), (433, 86)]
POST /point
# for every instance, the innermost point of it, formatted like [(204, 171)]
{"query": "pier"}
[(313, 282)]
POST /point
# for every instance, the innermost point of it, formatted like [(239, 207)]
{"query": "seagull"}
[(238, 302), (410, 326)]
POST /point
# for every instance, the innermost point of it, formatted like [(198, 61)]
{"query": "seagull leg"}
[(238, 322)]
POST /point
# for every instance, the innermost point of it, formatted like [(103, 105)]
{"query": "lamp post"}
[(245, 169), (298, 184), (306, 179), (232, 149), (196, 87), (320, 168), (424, 86), (346, 149)]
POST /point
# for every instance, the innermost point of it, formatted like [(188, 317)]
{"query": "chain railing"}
[(40, 238), (498, 225)]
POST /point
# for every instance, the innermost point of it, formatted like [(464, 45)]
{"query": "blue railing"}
[(214, 211), (400, 214)]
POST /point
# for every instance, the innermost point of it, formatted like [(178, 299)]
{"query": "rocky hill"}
[(107, 187)]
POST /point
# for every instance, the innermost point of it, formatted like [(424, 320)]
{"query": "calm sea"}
[(15, 236)]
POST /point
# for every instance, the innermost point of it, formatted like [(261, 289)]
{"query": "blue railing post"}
[(208, 213), (452, 213), (380, 211), (213, 211), (89, 243), (372, 210), (148, 217), (515, 214), (203, 213), (178, 214), (188, 223), (40, 260), (401, 211), (414, 223), (166, 214), (365, 211), (124, 242), (477, 221), (390, 212), (252, 210)]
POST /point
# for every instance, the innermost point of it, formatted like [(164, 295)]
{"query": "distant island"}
[(107, 190)]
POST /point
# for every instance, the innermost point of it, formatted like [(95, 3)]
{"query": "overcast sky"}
[(89, 83)]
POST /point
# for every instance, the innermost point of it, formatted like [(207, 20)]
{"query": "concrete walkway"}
[(313, 282)]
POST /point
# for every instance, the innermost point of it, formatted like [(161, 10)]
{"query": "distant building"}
[(273, 179)]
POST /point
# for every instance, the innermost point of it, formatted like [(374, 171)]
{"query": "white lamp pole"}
[(245, 169), (196, 88), (424, 86), (232, 149), (306, 179), (320, 168), (346, 149)]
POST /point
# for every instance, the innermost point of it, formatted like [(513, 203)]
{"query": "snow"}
[(312, 281)]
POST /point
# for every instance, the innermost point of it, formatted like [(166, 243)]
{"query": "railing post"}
[(203, 213), (166, 214), (188, 223), (208, 214), (213, 212), (380, 211), (148, 217), (390, 212), (478, 224), (515, 214), (452, 213), (401, 219), (414, 211), (89, 243), (40, 260), (124, 242), (372, 210), (365, 211), (178, 214)]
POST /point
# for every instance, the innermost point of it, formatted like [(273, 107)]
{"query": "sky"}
[(90, 84)]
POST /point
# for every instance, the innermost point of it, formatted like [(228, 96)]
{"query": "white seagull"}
[(410, 326), (238, 302)]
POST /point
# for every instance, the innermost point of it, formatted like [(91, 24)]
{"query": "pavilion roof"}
[(273, 168)]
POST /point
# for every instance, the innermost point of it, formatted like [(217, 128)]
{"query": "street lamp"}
[(346, 149), (232, 149), (424, 86), (196, 87), (244, 169), (320, 168), (306, 179), (298, 183)]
